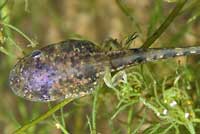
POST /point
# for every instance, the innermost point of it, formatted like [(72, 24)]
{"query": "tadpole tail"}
[(139, 56)]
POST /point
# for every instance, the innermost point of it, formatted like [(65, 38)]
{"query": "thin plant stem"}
[(124, 9), (14, 43), (3, 4), (43, 116), (164, 25), (94, 111), (62, 128), (62, 117), (129, 122), (3, 50), (32, 44)]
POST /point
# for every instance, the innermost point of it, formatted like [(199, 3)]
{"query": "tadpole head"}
[(55, 72), (31, 78)]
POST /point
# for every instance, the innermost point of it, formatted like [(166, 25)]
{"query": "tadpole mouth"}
[(15, 81)]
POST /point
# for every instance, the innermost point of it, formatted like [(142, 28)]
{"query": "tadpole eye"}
[(36, 53)]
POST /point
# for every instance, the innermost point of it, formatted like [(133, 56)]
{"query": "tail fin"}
[(153, 54), (139, 56)]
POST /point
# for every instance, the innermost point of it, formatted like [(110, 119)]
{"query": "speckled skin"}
[(72, 68)]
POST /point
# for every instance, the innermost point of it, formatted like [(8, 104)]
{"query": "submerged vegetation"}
[(160, 97)]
